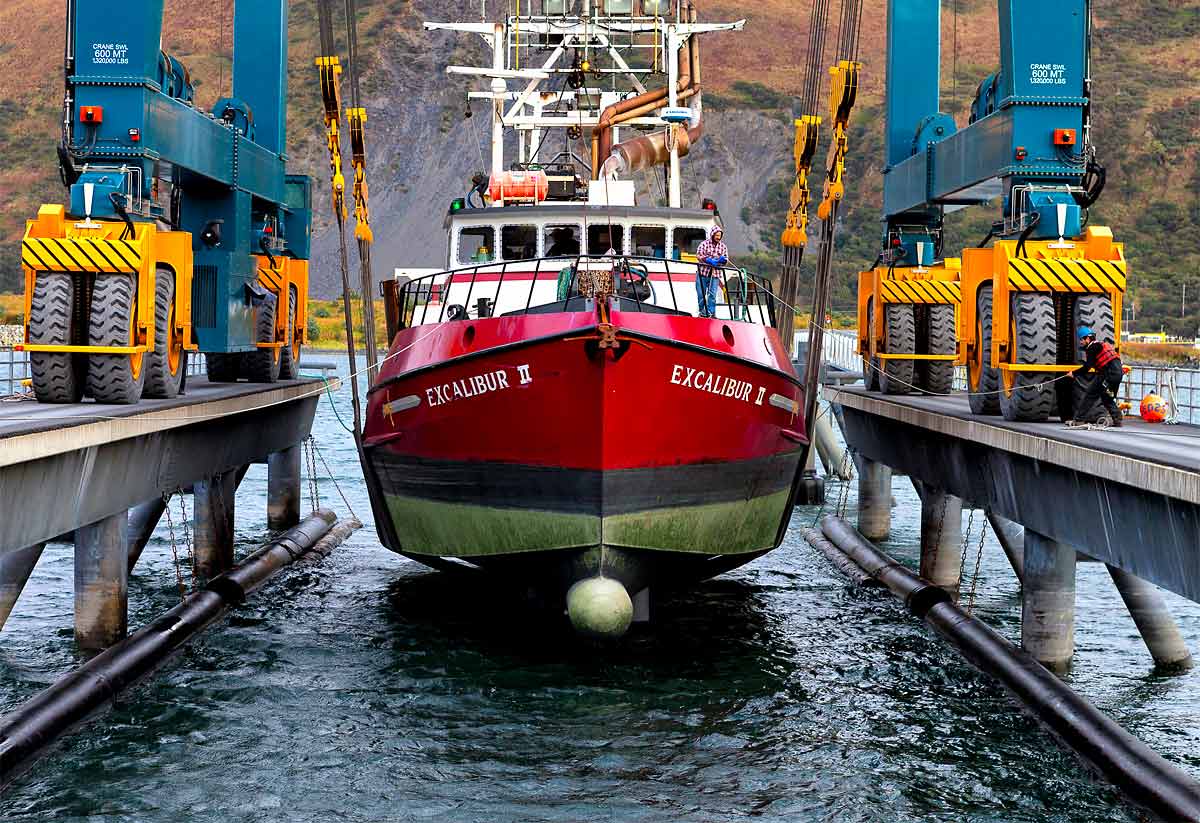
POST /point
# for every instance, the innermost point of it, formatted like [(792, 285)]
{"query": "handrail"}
[(748, 292)]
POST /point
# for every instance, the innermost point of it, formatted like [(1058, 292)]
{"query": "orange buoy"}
[(1154, 408)]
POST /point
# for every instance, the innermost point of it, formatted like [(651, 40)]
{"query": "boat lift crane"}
[(183, 231), (1007, 311)]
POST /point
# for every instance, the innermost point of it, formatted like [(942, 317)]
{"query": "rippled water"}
[(369, 689)]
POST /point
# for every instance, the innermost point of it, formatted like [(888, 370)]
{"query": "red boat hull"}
[(646, 447)]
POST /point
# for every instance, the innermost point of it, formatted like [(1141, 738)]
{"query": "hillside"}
[(1147, 91)]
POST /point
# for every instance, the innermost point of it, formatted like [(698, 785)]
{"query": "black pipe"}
[(839, 559), (1133, 767), (27, 731)]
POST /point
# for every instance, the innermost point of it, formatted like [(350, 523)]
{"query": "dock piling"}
[(214, 503), (1154, 621), (283, 489), (143, 520), (102, 582), (1048, 602), (874, 499), (941, 539), (1012, 539), (15, 568)]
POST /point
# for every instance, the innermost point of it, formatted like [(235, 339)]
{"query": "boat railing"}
[(637, 281)]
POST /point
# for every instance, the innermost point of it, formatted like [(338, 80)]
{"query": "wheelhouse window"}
[(476, 244), (562, 240), (519, 242), (602, 238), (686, 240), (649, 241)]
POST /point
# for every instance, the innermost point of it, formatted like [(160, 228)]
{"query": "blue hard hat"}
[(1086, 331)]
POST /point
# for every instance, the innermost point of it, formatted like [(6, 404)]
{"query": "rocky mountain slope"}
[(1147, 87)]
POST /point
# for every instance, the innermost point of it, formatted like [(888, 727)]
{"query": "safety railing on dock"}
[(1180, 387), (521, 287), (15, 371)]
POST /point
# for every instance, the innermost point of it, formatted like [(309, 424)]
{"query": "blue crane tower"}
[(1007, 311), (183, 231)]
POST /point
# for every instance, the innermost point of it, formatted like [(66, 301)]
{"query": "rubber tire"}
[(262, 365), (871, 364), (56, 378), (160, 382), (985, 398), (1036, 342), (1094, 310), (900, 337), (289, 358), (937, 376), (222, 368), (110, 377)]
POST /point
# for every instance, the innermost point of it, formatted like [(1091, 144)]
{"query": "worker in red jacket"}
[(1101, 358)]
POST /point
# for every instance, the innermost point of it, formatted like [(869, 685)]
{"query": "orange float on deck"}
[(1154, 408), (519, 187)]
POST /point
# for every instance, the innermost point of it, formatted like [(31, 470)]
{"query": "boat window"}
[(476, 244), (600, 240), (519, 242), (562, 241), (686, 239), (649, 241)]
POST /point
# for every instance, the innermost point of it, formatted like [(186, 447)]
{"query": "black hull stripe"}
[(582, 491)]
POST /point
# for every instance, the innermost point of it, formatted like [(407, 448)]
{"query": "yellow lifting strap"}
[(795, 233), (358, 157), (330, 71), (843, 91)]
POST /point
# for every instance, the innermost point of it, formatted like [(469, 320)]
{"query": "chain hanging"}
[(978, 564), (310, 460)]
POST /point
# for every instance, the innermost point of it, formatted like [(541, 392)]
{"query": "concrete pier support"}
[(101, 582), (1048, 602), (143, 520), (283, 489), (941, 539), (874, 499), (1154, 621), (833, 455), (1012, 539), (214, 524), (15, 568)]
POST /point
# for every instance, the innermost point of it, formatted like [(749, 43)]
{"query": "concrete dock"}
[(97, 475), (1128, 497)]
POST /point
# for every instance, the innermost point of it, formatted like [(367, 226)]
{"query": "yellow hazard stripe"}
[(920, 291), (1064, 275), (82, 254)]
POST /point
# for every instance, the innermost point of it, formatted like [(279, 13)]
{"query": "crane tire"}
[(984, 396), (262, 365), (900, 337), (870, 364), (289, 357), (161, 381), (56, 378), (114, 378), (222, 368), (1035, 340), (937, 376)]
